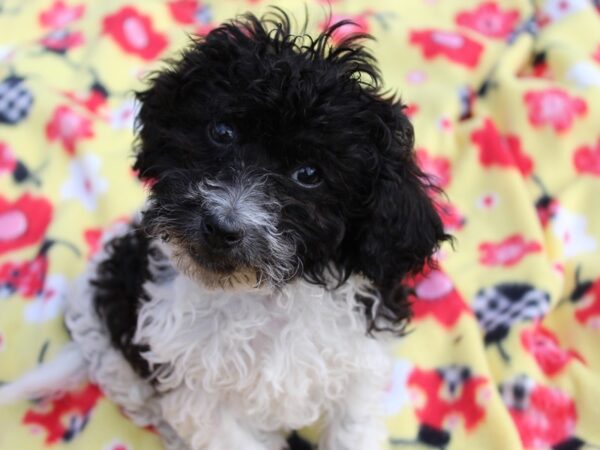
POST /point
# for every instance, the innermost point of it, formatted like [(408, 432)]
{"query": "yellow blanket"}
[(505, 98)]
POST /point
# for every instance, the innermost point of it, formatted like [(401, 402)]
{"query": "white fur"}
[(67, 369), (237, 369), (265, 360)]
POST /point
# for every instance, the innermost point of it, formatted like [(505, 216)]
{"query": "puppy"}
[(254, 295)]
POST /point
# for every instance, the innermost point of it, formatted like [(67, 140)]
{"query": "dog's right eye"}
[(221, 133)]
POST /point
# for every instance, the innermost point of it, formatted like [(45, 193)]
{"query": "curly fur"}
[(295, 99), (246, 304)]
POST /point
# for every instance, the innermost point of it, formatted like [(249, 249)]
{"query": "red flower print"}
[(26, 278), (488, 201), (92, 237), (23, 222), (62, 40), (68, 127), (452, 218), (507, 252), (596, 55), (452, 45), (586, 297), (545, 348), (446, 394), (554, 107), (192, 12), (587, 159), (437, 168), (436, 296), (411, 110), (184, 11), (93, 100), (8, 162), (359, 24), (489, 20), (117, 446), (545, 419), (59, 15), (496, 150), (538, 69), (134, 33), (546, 207), (63, 418)]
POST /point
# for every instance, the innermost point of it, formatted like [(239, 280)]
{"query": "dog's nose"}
[(219, 234)]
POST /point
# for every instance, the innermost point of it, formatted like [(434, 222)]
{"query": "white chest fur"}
[(279, 358), (235, 367)]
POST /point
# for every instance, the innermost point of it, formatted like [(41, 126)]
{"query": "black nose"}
[(219, 234)]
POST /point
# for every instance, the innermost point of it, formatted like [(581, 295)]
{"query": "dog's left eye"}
[(307, 176), (221, 133)]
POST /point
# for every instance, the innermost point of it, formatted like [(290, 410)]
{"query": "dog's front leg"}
[(356, 422)]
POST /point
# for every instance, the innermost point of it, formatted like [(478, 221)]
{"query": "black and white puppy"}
[(285, 211)]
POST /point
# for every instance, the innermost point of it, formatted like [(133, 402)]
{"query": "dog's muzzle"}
[(234, 231)]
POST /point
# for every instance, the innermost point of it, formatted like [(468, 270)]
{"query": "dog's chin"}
[(214, 272)]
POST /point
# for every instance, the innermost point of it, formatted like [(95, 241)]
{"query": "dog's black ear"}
[(157, 113), (401, 228)]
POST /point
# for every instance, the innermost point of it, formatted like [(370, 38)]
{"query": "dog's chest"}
[(283, 354)]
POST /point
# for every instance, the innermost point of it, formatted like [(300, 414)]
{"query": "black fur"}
[(119, 290), (294, 100)]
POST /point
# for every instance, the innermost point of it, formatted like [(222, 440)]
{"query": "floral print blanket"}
[(505, 98)]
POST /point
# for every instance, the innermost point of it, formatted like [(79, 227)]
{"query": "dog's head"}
[(276, 156)]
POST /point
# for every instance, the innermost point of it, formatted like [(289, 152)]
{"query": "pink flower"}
[(587, 159), (489, 20), (544, 347), (554, 107), (8, 162), (596, 55), (68, 127), (497, 150), (192, 12), (411, 110), (62, 40), (437, 168), (436, 296), (134, 33), (508, 252), (452, 218), (59, 15), (184, 11), (117, 446), (23, 222), (359, 25), (488, 201), (452, 45)]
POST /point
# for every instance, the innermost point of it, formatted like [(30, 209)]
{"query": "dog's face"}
[(275, 156)]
